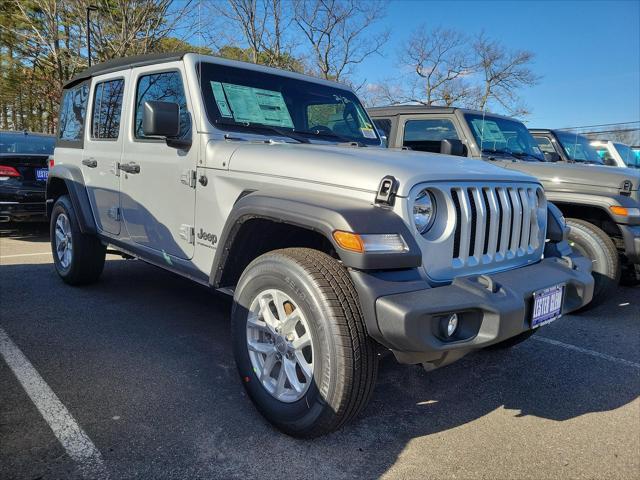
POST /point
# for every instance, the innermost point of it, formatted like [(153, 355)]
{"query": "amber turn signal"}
[(349, 241), (617, 210)]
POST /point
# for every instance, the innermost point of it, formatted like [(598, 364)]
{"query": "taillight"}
[(7, 171), (51, 162)]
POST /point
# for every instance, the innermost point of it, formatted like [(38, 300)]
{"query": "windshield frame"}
[(525, 156), (207, 72)]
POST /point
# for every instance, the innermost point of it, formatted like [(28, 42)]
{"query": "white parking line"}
[(77, 444), (2, 257), (593, 353)]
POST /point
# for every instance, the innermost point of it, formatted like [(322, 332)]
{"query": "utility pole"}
[(90, 8)]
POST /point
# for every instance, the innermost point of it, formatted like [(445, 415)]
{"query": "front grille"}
[(494, 223)]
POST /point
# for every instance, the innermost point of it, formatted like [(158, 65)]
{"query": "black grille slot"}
[(500, 221), (474, 219), (456, 235), (513, 219), (487, 221)]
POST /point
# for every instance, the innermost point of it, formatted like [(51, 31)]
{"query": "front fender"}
[(601, 201), (323, 214)]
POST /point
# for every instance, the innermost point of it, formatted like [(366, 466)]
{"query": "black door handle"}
[(90, 162), (130, 167)]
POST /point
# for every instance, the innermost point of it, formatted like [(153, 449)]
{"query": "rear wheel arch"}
[(68, 180)]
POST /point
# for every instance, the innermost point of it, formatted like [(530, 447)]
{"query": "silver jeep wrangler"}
[(272, 186)]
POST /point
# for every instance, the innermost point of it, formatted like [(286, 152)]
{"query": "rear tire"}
[(591, 242), (343, 360), (78, 257)]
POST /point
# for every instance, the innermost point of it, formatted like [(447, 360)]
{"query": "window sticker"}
[(252, 105), (221, 101), (489, 132), (367, 132)]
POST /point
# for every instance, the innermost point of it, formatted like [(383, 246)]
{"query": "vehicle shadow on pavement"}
[(153, 350), (29, 232)]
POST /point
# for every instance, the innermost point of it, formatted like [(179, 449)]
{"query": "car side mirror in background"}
[(551, 156), (450, 146)]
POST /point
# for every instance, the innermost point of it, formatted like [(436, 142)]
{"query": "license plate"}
[(547, 305), (42, 173)]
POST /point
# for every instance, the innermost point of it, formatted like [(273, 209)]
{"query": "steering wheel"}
[(321, 129)]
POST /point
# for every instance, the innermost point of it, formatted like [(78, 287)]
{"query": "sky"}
[(588, 52)]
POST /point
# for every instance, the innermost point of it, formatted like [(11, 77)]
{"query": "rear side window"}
[(162, 87), (384, 126), (545, 144), (425, 135), (107, 109), (73, 111)]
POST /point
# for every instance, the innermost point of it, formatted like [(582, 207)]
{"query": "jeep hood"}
[(554, 175), (363, 168)]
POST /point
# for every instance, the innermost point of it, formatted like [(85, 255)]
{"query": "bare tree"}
[(504, 72), (131, 27), (337, 32), (441, 60), (254, 30)]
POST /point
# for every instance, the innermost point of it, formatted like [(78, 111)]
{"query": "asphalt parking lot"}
[(141, 362)]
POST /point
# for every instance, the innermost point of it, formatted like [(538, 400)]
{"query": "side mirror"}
[(552, 156), (161, 119), (452, 147)]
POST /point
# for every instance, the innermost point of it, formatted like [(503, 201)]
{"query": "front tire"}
[(591, 242), (78, 257), (300, 297)]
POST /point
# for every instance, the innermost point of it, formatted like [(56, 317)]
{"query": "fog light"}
[(452, 324)]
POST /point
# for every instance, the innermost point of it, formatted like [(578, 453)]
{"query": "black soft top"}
[(124, 63)]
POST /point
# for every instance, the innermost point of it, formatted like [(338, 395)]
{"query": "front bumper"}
[(631, 238), (409, 322), (23, 212)]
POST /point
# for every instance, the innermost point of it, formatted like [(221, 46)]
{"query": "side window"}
[(73, 112), (545, 144), (107, 109), (162, 87), (384, 126), (425, 135)]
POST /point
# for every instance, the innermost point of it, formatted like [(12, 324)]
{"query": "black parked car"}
[(24, 167)]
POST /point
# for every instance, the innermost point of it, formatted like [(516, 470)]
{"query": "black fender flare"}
[(323, 214), (74, 181), (599, 200)]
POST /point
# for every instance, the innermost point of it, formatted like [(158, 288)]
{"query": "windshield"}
[(628, 157), (247, 100), (25, 143), (502, 136), (578, 148)]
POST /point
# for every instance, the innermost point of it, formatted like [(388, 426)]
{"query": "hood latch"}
[(387, 191)]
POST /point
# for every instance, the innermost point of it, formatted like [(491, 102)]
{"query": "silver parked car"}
[(271, 186)]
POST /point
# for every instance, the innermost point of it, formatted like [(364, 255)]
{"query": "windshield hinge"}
[(188, 233), (387, 191), (188, 177)]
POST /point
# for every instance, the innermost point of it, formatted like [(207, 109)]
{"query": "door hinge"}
[(115, 168), (188, 233), (114, 213), (188, 177)]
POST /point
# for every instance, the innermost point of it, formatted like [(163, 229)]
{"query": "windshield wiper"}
[(318, 133), (262, 126), (526, 155), (499, 152)]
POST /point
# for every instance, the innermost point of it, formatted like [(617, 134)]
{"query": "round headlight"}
[(424, 211)]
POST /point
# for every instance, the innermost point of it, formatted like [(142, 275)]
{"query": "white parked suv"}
[(272, 186), (615, 153)]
